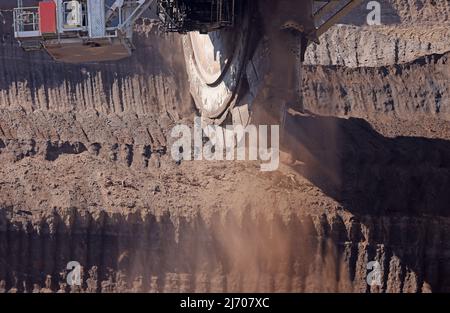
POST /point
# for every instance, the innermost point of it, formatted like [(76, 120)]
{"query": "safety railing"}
[(26, 22)]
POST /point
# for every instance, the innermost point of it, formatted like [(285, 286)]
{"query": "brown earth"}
[(86, 175)]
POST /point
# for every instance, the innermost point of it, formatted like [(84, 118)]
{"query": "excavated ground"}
[(86, 176)]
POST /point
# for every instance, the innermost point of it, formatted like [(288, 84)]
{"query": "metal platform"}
[(102, 30), (76, 51), (79, 31)]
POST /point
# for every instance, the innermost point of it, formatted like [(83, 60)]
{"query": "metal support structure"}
[(94, 24), (336, 16), (96, 19), (135, 13), (184, 16), (324, 9)]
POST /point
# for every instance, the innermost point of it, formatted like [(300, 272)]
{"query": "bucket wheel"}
[(216, 66), (230, 69)]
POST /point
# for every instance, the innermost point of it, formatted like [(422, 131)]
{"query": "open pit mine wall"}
[(399, 67), (408, 30), (414, 90), (139, 252), (50, 110), (143, 84)]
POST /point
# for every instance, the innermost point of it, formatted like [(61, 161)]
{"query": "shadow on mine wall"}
[(396, 187), (141, 252)]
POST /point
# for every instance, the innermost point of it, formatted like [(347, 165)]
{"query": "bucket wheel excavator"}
[(235, 50)]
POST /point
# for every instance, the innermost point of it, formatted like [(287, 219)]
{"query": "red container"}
[(47, 17)]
